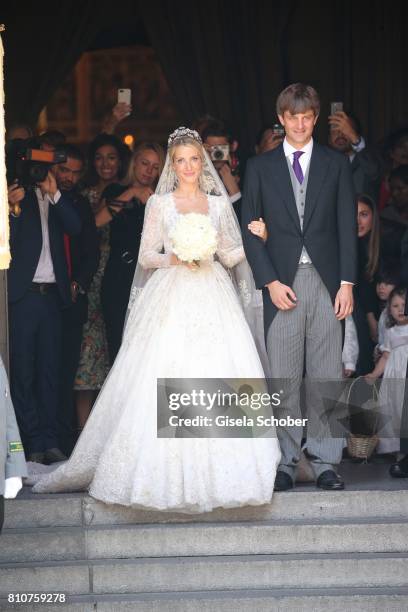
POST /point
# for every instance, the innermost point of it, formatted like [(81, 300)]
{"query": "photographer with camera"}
[(38, 289), (222, 151), (15, 195)]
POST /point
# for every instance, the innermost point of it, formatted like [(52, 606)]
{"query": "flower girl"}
[(393, 366)]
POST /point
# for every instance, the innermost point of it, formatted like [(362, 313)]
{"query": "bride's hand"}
[(258, 228), (174, 260), (191, 265)]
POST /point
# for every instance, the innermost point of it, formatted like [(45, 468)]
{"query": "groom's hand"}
[(282, 296), (343, 305)]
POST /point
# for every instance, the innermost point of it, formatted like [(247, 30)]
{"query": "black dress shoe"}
[(400, 469), (330, 481), (283, 481), (54, 455), (36, 458)]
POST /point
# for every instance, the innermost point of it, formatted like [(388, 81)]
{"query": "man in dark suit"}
[(83, 253), (38, 289), (306, 270), (345, 137)]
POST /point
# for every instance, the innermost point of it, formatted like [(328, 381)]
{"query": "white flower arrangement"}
[(194, 238)]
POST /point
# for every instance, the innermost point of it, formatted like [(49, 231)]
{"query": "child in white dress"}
[(386, 282), (393, 366)]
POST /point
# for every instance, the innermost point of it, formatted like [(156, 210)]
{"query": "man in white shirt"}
[(38, 289), (306, 269)]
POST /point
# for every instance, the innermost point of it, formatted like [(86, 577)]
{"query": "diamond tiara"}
[(183, 132)]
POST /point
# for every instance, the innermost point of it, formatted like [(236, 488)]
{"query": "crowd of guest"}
[(74, 241), (75, 238)]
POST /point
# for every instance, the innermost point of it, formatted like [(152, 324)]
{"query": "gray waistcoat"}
[(299, 191)]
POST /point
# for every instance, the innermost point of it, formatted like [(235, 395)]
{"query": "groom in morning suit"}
[(306, 269)]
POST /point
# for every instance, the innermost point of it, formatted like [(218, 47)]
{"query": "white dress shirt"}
[(304, 159), (45, 269), (234, 198), (357, 148)]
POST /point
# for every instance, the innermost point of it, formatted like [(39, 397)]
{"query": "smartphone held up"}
[(124, 102), (124, 96), (278, 130), (336, 107)]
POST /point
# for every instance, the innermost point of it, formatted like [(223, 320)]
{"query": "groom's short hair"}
[(298, 98)]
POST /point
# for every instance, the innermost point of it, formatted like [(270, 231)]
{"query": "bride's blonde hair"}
[(185, 141)]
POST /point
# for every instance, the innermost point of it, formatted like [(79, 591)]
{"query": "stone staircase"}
[(308, 551)]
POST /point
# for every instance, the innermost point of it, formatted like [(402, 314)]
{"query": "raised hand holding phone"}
[(124, 96), (124, 107)]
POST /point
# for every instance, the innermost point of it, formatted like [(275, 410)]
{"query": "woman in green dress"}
[(108, 160)]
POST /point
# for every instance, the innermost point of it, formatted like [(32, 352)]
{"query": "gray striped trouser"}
[(308, 336)]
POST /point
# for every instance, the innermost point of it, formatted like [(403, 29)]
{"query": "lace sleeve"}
[(152, 241), (230, 249)]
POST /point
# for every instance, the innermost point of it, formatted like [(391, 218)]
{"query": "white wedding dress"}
[(184, 324)]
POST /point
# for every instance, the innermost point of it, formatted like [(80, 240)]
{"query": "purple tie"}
[(297, 168)]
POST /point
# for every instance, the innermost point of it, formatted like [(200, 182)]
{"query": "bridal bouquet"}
[(194, 238)]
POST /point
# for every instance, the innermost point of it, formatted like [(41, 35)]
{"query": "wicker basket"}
[(362, 446)]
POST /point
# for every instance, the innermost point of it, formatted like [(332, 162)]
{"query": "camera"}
[(27, 164), (220, 153), (129, 205)]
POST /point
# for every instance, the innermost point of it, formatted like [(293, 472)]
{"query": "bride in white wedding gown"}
[(184, 322)]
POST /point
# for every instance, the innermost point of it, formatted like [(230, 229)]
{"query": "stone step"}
[(201, 539), (32, 510), (389, 570), (44, 511), (266, 600)]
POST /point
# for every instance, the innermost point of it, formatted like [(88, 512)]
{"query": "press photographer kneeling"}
[(38, 290)]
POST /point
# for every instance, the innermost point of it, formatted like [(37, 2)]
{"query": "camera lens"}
[(218, 154), (38, 172)]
